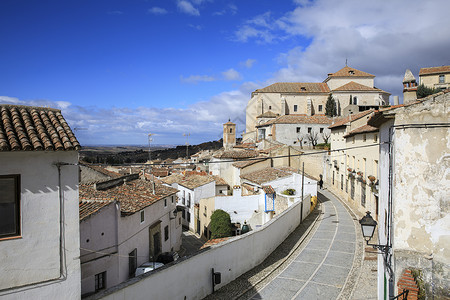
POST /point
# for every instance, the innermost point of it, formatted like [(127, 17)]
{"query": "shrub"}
[(220, 224), (289, 192)]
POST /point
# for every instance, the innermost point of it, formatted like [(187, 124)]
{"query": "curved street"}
[(321, 259)]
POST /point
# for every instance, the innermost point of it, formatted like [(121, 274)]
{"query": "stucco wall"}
[(287, 133), (335, 82), (230, 258), (35, 257)]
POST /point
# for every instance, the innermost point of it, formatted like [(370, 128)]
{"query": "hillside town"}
[(353, 182)]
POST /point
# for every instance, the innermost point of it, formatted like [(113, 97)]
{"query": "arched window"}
[(355, 100), (231, 130)]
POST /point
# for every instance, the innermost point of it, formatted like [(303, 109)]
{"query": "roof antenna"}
[(346, 62)]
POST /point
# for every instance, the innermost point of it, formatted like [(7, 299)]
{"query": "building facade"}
[(435, 77), (39, 230)]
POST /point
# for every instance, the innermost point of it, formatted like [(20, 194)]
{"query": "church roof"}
[(268, 114), (434, 70), (295, 87), (349, 72), (357, 87), (299, 119)]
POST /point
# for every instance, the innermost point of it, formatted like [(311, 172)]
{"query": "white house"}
[(39, 230), (414, 195), (124, 222)]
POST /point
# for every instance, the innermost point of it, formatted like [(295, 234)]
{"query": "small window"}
[(166, 233), (132, 262), (441, 78), (375, 138), (295, 107), (270, 107), (303, 88), (309, 129), (231, 130), (298, 129), (353, 140), (9, 206), (321, 130), (142, 216), (100, 281), (172, 199), (364, 137), (188, 217), (320, 107)]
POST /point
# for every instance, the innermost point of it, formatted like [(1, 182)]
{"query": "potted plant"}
[(371, 178)]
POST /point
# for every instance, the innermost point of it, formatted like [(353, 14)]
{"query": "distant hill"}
[(139, 154)]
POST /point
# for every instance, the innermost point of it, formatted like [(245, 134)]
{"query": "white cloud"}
[(248, 63), (157, 11), (231, 74), (197, 27), (187, 8), (115, 12), (382, 38), (231, 9), (197, 78)]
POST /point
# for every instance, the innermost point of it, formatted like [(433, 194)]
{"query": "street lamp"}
[(368, 225)]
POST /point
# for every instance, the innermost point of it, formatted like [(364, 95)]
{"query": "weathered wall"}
[(287, 133), (230, 258), (35, 257)]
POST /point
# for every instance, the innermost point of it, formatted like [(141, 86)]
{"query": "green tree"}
[(330, 106), (220, 224), (423, 91)]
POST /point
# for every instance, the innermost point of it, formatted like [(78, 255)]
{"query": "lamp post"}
[(368, 225)]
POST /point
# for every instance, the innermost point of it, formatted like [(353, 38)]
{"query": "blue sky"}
[(122, 69)]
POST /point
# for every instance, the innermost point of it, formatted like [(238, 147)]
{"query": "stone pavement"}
[(190, 243), (321, 259)]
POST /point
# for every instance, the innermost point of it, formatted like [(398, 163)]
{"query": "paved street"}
[(190, 243), (320, 270), (319, 260)]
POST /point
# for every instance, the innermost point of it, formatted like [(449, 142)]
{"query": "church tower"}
[(409, 87), (229, 135)]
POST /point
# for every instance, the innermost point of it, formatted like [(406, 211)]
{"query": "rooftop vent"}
[(303, 88)]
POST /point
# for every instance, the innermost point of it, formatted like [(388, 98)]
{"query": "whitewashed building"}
[(414, 220), (124, 222), (39, 229)]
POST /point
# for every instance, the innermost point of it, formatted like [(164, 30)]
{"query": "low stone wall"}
[(190, 278)]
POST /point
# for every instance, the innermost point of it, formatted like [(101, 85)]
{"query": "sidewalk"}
[(319, 260)]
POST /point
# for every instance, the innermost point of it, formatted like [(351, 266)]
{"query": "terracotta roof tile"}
[(268, 174), (295, 87), (363, 129), (268, 189), (350, 72), (190, 181), (434, 70), (26, 128), (299, 119), (102, 170), (246, 163), (236, 154), (89, 207), (214, 242), (356, 87), (133, 196), (344, 120)]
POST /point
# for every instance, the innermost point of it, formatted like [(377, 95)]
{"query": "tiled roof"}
[(268, 174), (245, 146), (356, 87), (246, 163), (189, 181), (268, 114), (214, 242), (268, 189), (229, 123), (133, 196), (350, 72), (295, 87), (363, 129), (236, 154), (103, 171), (34, 128), (271, 148), (299, 119), (434, 70), (89, 207), (219, 180), (344, 120)]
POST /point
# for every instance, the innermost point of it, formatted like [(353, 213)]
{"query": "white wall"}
[(230, 258), (245, 206), (35, 257)]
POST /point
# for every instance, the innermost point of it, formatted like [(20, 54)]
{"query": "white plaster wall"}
[(35, 257), (222, 169), (287, 133), (230, 258), (335, 82), (245, 206)]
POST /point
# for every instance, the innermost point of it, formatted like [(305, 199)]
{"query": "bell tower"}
[(229, 135)]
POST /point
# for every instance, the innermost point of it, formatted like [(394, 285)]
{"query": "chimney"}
[(283, 106), (153, 188), (396, 101)]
